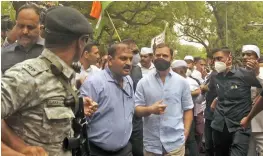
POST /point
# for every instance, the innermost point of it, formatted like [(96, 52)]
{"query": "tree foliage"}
[(213, 23)]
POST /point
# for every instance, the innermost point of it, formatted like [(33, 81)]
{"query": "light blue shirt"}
[(165, 130), (110, 126)]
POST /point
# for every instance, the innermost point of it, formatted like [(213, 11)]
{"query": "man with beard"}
[(112, 88), (32, 100), (146, 61), (29, 43), (164, 99), (136, 75), (251, 55)]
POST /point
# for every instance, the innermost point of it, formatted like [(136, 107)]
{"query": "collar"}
[(171, 72), (151, 67), (40, 41), (67, 71), (109, 76)]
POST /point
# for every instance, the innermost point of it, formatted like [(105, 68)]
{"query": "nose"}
[(129, 61), (25, 30)]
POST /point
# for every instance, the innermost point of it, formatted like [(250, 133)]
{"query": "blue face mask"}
[(136, 59)]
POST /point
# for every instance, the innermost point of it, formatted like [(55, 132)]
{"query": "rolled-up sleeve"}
[(88, 89), (187, 102), (18, 89), (139, 95)]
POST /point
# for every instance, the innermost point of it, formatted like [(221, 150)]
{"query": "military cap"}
[(66, 21)]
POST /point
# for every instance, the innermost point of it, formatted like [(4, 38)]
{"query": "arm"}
[(213, 104), (196, 92), (10, 138), (258, 107), (156, 108), (141, 110), (188, 119), (187, 106), (7, 151)]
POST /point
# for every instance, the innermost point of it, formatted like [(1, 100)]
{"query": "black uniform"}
[(234, 103)]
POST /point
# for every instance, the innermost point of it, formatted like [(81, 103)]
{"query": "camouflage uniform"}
[(33, 103)]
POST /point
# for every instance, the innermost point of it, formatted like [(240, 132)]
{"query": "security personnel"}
[(32, 98), (233, 86)]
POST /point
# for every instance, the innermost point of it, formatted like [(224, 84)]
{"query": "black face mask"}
[(161, 64)]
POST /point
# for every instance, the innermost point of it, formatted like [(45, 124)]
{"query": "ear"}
[(109, 59), (41, 26)]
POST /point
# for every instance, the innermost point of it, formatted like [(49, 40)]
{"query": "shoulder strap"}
[(196, 80), (57, 72)]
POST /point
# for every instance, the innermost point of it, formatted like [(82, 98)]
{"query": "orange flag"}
[(96, 9)]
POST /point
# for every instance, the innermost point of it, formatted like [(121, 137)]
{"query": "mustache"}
[(127, 67)]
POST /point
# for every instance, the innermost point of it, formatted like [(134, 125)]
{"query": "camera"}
[(6, 23)]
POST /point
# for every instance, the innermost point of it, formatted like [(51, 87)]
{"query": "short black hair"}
[(113, 49), (196, 59), (162, 45), (58, 41), (33, 6), (89, 46), (225, 50)]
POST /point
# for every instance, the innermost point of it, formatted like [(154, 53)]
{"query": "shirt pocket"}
[(233, 90), (56, 123)]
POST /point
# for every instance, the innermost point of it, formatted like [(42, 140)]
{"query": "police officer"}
[(233, 86), (33, 97)]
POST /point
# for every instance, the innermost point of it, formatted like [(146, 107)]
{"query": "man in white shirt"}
[(88, 60), (251, 53), (146, 61), (180, 67), (192, 69)]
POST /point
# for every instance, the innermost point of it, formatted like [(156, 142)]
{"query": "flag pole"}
[(113, 26)]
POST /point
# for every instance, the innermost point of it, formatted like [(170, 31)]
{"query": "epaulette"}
[(34, 66)]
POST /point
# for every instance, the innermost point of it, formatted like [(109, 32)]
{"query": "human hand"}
[(158, 108), (244, 122), (213, 105), (253, 65), (90, 106), (12, 35)]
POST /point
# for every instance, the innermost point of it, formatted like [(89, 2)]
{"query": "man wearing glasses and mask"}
[(233, 86)]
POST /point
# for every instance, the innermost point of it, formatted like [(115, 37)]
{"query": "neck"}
[(85, 64), (116, 76), (163, 74), (147, 66), (64, 54)]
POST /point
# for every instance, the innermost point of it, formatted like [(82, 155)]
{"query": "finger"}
[(162, 106), (161, 101)]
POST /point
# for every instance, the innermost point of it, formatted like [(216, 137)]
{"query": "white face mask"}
[(136, 59), (188, 73), (220, 66)]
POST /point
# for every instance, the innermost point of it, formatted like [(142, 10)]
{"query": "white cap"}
[(146, 50), (251, 48), (188, 57), (178, 63)]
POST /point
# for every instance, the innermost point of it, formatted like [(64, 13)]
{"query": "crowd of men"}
[(136, 101)]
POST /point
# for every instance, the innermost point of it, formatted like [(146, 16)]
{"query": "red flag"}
[(96, 9)]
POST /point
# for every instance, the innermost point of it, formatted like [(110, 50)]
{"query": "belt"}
[(97, 151)]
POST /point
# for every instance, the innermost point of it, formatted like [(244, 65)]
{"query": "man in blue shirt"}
[(112, 88), (164, 99)]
